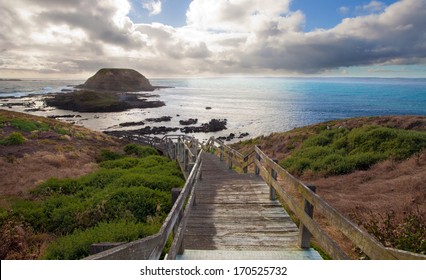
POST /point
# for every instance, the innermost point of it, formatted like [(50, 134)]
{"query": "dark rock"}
[(91, 101), (10, 80), (10, 105), (114, 79), (232, 136), (131, 124), (143, 131), (188, 122), (35, 110), (161, 119), (208, 108), (63, 116), (66, 90), (213, 126)]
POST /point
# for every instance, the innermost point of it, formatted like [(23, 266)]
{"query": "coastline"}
[(258, 106)]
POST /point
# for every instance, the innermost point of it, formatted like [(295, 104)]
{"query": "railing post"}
[(177, 149), (191, 165), (304, 234), (230, 157), (221, 152), (182, 152), (245, 167), (272, 191), (185, 158), (257, 170)]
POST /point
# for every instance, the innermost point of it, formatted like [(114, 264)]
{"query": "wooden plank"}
[(233, 211)]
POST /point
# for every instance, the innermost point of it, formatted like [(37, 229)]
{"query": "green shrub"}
[(130, 189), (340, 151), (15, 138), (55, 186), (138, 201), (364, 161), (100, 179), (109, 155), (153, 181), (123, 163), (396, 143), (139, 151), (28, 125), (77, 245), (61, 130)]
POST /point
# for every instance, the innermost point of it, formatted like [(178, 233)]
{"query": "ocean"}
[(258, 106)]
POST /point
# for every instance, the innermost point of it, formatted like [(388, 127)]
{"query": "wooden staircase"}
[(234, 218)]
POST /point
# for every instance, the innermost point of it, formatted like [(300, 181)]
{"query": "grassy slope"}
[(393, 184), (123, 194), (51, 149)]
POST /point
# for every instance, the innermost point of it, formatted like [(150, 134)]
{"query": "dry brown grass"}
[(387, 186), (48, 154)]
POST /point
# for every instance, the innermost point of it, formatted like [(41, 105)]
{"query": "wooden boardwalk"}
[(233, 218)]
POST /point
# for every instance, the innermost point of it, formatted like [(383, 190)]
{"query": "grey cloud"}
[(396, 36), (399, 36)]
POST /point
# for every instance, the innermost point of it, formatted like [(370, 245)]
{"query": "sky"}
[(70, 39)]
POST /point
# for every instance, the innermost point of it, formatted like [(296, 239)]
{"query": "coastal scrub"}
[(337, 151), (127, 198)]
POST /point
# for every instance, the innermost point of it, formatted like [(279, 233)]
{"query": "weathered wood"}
[(100, 247), (234, 212), (404, 255), (175, 195), (272, 192), (326, 242), (304, 234), (178, 240)]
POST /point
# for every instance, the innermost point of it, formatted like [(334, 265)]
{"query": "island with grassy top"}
[(109, 90)]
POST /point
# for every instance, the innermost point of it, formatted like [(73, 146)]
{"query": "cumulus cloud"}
[(153, 6), (221, 36)]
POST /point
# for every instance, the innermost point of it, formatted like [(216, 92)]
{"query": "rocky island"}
[(109, 90), (115, 79)]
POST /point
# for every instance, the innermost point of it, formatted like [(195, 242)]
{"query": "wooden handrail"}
[(177, 245), (264, 165)]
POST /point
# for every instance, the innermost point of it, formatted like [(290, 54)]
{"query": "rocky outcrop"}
[(161, 119), (115, 79), (213, 126), (188, 122), (91, 101)]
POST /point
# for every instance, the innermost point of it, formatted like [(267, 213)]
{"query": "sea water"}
[(258, 106)]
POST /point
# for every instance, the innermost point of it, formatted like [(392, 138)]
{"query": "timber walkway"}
[(234, 218), (224, 214)]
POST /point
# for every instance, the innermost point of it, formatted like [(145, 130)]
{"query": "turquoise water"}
[(265, 105), (261, 106)]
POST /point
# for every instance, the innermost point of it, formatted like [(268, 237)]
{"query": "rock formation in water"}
[(115, 79), (107, 91)]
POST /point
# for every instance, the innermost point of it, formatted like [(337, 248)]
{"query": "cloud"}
[(153, 6), (221, 36), (344, 10), (372, 7)]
